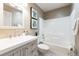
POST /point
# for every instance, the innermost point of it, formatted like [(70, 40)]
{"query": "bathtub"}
[(60, 50)]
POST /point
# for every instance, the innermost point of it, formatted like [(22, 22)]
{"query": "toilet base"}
[(43, 49), (42, 54)]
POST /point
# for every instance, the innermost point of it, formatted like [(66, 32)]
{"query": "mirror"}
[(12, 15)]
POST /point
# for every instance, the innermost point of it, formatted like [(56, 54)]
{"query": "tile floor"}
[(50, 53)]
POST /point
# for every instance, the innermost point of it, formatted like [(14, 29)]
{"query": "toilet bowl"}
[(43, 48)]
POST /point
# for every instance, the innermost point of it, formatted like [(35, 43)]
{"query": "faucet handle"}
[(26, 32)]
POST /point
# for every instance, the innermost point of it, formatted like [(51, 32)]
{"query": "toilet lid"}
[(43, 46)]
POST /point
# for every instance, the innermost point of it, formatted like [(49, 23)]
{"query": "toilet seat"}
[(43, 46)]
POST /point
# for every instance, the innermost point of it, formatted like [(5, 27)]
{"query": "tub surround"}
[(11, 44)]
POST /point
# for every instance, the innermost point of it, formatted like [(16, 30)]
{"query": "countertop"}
[(8, 44)]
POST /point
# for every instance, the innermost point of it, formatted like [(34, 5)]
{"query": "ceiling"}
[(51, 6)]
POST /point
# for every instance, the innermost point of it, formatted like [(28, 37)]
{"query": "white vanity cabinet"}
[(32, 49), (27, 49)]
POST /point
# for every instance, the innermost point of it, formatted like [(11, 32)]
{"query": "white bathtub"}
[(60, 50)]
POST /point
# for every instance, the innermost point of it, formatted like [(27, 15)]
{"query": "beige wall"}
[(1, 14), (8, 32), (57, 13), (40, 12)]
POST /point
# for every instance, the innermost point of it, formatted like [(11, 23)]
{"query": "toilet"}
[(43, 48)]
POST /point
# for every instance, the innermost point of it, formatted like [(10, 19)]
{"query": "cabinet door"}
[(24, 50), (32, 48), (6, 54), (17, 52), (10, 53), (35, 52)]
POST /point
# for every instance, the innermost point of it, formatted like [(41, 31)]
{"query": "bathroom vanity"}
[(19, 46)]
